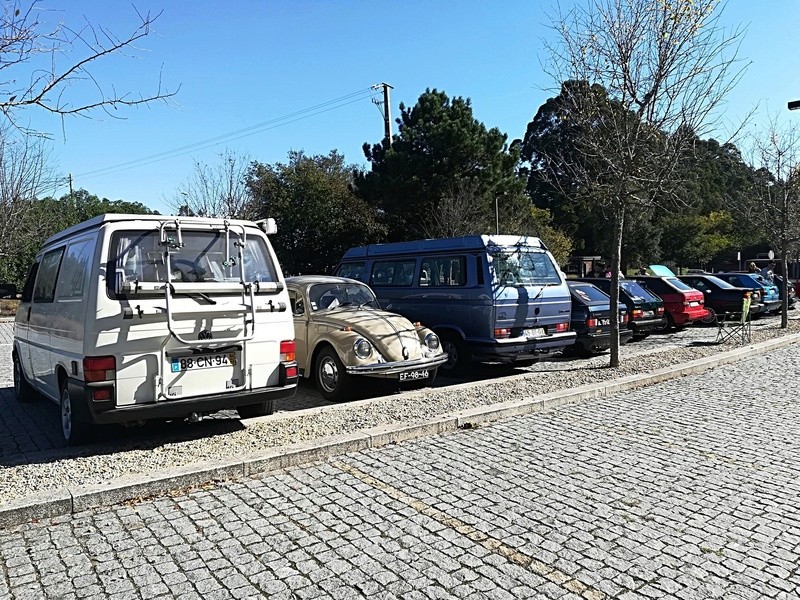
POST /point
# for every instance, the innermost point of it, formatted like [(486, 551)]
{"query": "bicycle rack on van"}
[(247, 290)]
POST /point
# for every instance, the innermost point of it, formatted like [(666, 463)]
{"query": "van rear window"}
[(523, 265), (206, 256)]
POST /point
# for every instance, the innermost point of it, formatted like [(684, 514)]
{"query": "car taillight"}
[(623, 318), (291, 372), (660, 310), (99, 368), (502, 332), (637, 313), (561, 327), (591, 322), (287, 351)]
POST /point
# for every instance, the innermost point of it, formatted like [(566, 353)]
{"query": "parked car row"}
[(127, 318)]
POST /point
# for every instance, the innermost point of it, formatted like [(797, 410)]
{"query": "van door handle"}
[(563, 311)]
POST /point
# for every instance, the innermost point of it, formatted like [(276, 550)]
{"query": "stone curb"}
[(66, 501)]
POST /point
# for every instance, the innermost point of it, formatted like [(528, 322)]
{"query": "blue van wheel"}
[(458, 355)]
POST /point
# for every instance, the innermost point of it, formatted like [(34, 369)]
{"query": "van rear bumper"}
[(513, 350), (93, 412)]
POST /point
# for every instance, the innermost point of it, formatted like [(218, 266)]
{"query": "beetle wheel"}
[(332, 380)]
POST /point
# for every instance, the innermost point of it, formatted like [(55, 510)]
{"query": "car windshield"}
[(523, 265), (205, 256), (719, 282), (637, 292), (588, 293), (327, 296), (680, 285)]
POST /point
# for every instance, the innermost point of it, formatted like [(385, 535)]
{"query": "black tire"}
[(458, 355), (259, 409), (75, 432), (22, 389), (710, 318), (332, 380), (669, 325)]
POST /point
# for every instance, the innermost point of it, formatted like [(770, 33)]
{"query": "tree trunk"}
[(784, 285), (619, 221)]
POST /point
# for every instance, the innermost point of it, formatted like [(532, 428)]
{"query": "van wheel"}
[(458, 355), (22, 389), (75, 432), (332, 380), (259, 409)]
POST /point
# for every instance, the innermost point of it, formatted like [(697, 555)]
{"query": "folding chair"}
[(735, 326)]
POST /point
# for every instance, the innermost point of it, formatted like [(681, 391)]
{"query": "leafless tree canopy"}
[(775, 206), (217, 190), (25, 173), (33, 71), (645, 77)]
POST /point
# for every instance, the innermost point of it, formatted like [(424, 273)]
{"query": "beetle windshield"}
[(523, 265), (327, 296)]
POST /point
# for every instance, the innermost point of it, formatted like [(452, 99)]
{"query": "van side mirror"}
[(268, 226)]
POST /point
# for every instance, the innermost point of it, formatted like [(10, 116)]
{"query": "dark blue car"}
[(591, 319), (768, 293)]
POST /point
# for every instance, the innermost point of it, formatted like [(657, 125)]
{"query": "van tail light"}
[(99, 368), (288, 351), (637, 313), (561, 327), (502, 332), (287, 370), (591, 322)]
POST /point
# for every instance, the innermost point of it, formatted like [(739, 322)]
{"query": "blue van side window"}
[(398, 273), (445, 271), (351, 270)]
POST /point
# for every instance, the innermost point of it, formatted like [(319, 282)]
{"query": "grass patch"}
[(8, 308)]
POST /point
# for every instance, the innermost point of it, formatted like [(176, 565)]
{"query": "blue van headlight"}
[(432, 342), (362, 348)]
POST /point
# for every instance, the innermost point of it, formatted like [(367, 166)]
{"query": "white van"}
[(126, 318)]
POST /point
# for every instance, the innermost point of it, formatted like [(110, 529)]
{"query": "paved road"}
[(686, 489)]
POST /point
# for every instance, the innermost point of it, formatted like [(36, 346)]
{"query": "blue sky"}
[(243, 63)]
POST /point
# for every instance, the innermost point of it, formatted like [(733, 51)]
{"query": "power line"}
[(235, 135)]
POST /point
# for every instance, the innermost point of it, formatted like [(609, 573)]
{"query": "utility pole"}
[(387, 118), (70, 184)]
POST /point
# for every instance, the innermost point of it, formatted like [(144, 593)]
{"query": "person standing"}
[(768, 271)]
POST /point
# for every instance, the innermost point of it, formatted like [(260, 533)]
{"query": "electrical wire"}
[(305, 113)]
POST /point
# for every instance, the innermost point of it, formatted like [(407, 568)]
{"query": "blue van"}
[(490, 298)]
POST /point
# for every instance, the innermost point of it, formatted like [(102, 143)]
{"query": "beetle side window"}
[(75, 271), (445, 271), (45, 288)]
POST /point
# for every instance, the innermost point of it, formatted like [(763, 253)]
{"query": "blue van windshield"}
[(523, 266)]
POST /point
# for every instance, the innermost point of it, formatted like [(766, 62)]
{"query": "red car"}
[(683, 304)]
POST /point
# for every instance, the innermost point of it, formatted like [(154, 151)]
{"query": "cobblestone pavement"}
[(686, 489), (27, 430)]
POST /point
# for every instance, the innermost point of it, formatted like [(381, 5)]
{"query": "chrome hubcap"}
[(328, 374)]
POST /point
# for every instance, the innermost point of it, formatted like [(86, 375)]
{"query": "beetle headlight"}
[(362, 348), (432, 342)]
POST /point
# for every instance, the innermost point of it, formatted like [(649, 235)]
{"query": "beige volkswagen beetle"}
[(341, 333)]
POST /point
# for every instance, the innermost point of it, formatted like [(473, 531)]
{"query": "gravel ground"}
[(93, 465)]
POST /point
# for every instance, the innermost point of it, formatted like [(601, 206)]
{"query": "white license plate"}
[(414, 375), (533, 333), (694, 303), (204, 361), (604, 322), (647, 313)]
